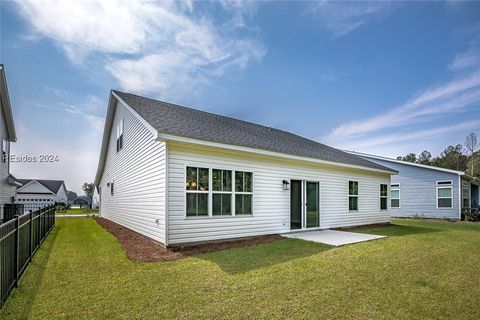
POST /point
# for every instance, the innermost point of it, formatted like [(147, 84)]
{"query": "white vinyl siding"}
[(270, 202), (7, 191), (138, 174)]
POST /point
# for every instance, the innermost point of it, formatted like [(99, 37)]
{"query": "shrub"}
[(471, 214)]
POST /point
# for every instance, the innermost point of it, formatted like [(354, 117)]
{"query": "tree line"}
[(460, 157)]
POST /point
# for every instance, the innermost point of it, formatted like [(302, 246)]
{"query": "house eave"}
[(6, 107), (366, 155)]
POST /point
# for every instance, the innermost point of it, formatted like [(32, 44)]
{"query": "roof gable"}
[(34, 186), (51, 185)]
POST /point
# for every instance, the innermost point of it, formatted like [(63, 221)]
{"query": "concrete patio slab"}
[(332, 237)]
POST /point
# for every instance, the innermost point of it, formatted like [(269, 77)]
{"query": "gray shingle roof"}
[(187, 122), (52, 185)]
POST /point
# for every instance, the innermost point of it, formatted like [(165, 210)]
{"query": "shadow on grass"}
[(396, 230), (241, 260), (20, 301)]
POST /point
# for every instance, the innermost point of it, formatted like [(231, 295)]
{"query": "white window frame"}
[(119, 135), (395, 187), (444, 184), (353, 195), (211, 192), (466, 186), (208, 192), (235, 192), (383, 197), (231, 193), (4, 151)]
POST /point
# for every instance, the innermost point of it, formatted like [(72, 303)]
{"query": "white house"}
[(95, 199), (40, 192), (427, 191), (7, 135), (180, 175)]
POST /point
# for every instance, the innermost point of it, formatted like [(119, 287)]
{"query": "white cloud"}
[(149, 46), (418, 135), (470, 58), (342, 17), (96, 121), (440, 100)]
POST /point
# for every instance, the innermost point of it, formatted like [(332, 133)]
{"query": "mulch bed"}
[(141, 248)]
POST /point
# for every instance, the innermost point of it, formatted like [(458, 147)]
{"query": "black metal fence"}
[(11, 210), (20, 238)]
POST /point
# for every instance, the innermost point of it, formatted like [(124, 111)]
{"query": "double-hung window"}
[(120, 135), (444, 194), (197, 181), (4, 151), (383, 196), (353, 195), (465, 194), (395, 196), (222, 192), (243, 192)]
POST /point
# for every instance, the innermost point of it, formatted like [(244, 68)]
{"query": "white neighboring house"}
[(39, 192), (180, 175), (7, 135), (426, 191)]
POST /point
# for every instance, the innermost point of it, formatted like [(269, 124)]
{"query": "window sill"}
[(219, 217)]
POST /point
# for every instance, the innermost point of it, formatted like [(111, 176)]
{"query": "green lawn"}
[(424, 269), (78, 211)]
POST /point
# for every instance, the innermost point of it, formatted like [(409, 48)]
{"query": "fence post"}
[(17, 247), (39, 223), (31, 236)]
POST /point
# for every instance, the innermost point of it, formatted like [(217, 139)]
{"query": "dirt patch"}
[(141, 248)]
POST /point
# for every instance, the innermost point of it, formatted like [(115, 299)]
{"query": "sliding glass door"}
[(312, 204), (296, 204), (304, 204)]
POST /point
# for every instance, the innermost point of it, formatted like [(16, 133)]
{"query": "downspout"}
[(166, 195), (459, 197)]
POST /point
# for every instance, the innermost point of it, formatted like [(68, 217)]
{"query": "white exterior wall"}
[(7, 191), (271, 204), (61, 195), (95, 199), (418, 191), (35, 199), (138, 172)]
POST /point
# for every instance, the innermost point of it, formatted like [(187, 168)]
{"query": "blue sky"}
[(381, 77)]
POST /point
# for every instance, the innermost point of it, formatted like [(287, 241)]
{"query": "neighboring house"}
[(7, 132), (427, 191), (82, 201), (180, 175), (41, 192)]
